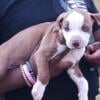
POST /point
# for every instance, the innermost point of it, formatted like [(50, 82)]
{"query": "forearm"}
[(12, 80)]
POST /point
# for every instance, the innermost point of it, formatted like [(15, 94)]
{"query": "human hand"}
[(92, 54), (57, 65)]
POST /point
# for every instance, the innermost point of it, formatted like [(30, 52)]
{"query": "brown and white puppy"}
[(75, 28)]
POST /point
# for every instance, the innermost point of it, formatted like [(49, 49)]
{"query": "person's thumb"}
[(90, 49), (90, 57)]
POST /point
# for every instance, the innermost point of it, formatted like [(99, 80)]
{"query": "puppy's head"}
[(76, 27)]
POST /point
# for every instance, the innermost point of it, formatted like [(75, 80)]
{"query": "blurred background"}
[(97, 3)]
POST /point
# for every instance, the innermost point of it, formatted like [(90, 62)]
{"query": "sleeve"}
[(0, 19), (4, 6), (92, 8)]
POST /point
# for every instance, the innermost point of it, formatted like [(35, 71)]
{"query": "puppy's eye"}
[(85, 28), (66, 27)]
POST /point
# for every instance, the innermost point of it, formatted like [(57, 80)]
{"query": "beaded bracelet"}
[(25, 77), (33, 74), (28, 74)]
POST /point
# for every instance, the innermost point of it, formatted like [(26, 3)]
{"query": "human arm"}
[(13, 80), (16, 80)]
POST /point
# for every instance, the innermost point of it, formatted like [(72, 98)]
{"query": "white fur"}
[(60, 48), (76, 21), (76, 18), (81, 83), (38, 90), (74, 55)]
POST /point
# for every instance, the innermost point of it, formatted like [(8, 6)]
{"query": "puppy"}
[(75, 28)]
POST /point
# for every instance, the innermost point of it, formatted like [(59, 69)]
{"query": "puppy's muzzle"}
[(77, 42)]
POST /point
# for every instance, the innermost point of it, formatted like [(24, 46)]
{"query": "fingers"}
[(57, 61), (58, 57), (92, 50), (90, 57), (92, 54), (56, 69), (64, 65), (94, 46), (57, 65), (94, 57)]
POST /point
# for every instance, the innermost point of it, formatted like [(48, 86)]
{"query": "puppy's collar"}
[(71, 4)]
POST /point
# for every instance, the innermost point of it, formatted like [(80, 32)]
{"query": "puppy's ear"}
[(60, 19), (54, 28), (96, 17)]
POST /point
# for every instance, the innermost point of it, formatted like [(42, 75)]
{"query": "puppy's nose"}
[(76, 44)]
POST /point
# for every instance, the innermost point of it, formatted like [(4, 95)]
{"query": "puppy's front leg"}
[(82, 84), (42, 78), (46, 50)]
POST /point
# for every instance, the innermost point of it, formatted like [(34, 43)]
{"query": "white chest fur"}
[(74, 55)]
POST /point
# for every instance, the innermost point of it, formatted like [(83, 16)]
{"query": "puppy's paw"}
[(38, 90), (83, 96)]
